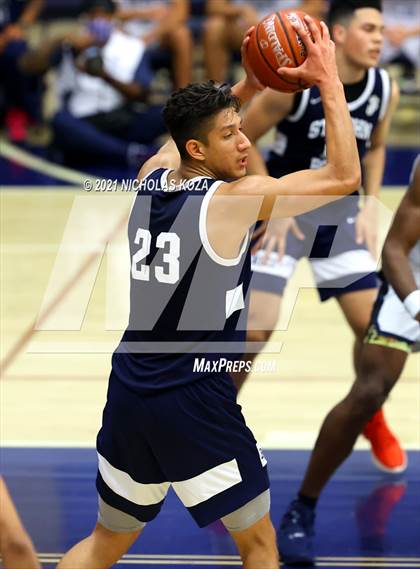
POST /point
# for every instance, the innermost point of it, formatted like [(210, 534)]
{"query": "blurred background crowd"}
[(84, 81)]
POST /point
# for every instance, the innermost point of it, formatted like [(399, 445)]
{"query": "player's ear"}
[(339, 33), (195, 149)]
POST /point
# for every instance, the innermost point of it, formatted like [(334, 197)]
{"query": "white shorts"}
[(391, 324)]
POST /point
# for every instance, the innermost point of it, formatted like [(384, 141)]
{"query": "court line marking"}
[(26, 336), (235, 561), (24, 158), (188, 556), (257, 378)]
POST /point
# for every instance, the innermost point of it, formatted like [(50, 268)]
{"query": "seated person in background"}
[(228, 20), (402, 38), (161, 24), (101, 77), (21, 95)]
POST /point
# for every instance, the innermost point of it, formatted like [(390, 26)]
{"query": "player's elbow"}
[(349, 178)]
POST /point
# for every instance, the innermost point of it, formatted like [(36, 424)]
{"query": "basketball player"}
[(171, 416), (347, 273), (16, 548), (394, 328)]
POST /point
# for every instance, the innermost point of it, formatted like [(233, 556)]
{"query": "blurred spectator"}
[(21, 95), (227, 22), (402, 34), (162, 25), (102, 76), (16, 548)]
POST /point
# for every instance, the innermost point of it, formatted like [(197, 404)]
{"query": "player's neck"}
[(189, 170), (349, 72)]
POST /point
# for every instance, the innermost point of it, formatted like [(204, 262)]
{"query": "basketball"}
[(274, 43)]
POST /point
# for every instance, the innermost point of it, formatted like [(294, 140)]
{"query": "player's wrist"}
[(412, 303), (330, 84)]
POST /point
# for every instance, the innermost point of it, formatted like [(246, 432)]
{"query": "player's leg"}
[(264, 311), (357, 308), (256, 543), (387, 452), (387, 343), (102, 549), (16, 547), (215, 465), (380, 368), (129, 481)]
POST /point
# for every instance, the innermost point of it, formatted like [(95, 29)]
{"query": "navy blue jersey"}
[(300, 137), (187, 305)]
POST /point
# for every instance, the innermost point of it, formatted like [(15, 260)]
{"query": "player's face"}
[(227, 146), (363, 38)]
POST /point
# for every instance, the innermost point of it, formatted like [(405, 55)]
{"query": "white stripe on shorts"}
[(208, 484), (122, 484), (393, 318), (272, 266), (349, 263)]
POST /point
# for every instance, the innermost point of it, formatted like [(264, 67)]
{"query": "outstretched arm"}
[(403, 235)]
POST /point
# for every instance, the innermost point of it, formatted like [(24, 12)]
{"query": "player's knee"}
[(16, 546), (260, 336), (261, 547), (371, 392), (359, 330)]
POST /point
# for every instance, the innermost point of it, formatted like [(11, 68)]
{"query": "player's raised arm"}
[(402, 237), (341, 175)]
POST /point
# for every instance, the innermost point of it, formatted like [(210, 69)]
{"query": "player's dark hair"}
[(341, 11), (190, 110), (106, 5)]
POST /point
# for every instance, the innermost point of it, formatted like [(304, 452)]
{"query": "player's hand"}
[(251, 80), (272, 237), (366, 226), (320, 64)]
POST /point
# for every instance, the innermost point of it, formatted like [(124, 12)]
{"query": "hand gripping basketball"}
[(320, 64)]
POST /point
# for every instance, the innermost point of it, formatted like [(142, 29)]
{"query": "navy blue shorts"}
[(193, 438), (339, 264)]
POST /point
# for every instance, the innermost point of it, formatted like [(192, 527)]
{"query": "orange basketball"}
[(273, 44)]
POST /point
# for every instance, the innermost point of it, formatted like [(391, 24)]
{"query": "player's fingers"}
[(290, 73), (325, 32), (271, 243), (249, 32), (281, 248), (297, 232), (302, 31), (373, 245), (313, 29), (359, 233)]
